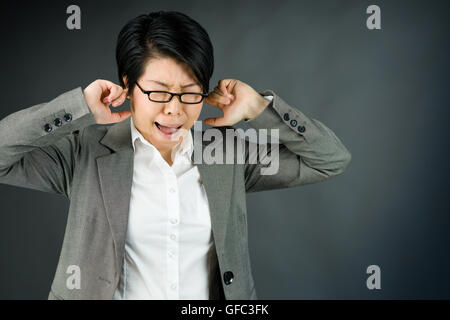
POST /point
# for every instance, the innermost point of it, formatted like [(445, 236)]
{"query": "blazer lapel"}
[(218, 181), (116, 177)]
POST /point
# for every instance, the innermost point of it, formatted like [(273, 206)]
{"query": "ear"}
[(125, 81)]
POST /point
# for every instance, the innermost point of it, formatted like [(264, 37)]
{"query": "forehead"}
[(168, 71)]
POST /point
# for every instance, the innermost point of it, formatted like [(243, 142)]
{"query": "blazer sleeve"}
[(308, 151), (39, 144)]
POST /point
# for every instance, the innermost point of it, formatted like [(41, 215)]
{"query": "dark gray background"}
[(383, 92)]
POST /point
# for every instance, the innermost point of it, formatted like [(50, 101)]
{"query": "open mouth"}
[(167, 130)]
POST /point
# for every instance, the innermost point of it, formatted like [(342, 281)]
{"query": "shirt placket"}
[(173, 218)]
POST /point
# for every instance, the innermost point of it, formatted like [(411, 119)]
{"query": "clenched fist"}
[(99, 95), (237, 100)]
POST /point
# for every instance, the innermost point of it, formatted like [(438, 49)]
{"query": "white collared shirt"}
[(169, 231), (169, 237)]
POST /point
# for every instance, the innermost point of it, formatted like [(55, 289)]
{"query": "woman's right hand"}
[(99, 95)]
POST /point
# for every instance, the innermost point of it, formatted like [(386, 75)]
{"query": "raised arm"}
[(308, 151), (39, 145)]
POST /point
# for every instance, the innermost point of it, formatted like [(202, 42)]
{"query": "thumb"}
[(215, 122)]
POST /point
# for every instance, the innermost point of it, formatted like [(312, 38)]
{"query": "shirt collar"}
[(185, 147)]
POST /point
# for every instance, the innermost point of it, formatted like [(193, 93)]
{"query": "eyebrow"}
[(168, 87)]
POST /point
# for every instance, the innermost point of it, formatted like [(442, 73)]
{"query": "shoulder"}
[(91, 137), (95, 132)]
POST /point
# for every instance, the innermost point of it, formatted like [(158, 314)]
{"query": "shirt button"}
[(173, 286), (173, 221), (173, 237)]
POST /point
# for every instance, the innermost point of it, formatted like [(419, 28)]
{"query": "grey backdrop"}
[(383, 92)]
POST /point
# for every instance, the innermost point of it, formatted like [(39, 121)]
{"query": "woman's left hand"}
[(237, 100)]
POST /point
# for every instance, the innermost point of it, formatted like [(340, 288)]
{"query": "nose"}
[(174, 106)]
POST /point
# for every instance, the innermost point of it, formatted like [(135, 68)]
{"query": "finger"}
[(120, 116), (114, 92), (218, 92), (231, 96), (216, 103), (120, 100), (216, 122), (214, 99), (225, 88)]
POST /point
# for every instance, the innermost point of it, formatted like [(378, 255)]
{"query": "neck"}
[(166, 155)]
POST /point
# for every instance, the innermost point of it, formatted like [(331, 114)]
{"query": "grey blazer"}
[(60, 149)]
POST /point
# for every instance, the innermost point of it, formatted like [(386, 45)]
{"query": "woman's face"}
[(158, 122)]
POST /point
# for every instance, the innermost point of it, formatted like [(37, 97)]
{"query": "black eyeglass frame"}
[(204, 95)]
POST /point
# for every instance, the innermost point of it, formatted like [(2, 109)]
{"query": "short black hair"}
[(163, 34)]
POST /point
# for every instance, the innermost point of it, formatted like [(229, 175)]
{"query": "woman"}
[(146, 221)]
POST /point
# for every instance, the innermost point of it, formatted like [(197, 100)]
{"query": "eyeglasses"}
[(166, 96)]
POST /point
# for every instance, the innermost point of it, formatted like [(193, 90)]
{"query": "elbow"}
[(339, 164), (347, 159), (344, 161), (334, 167)]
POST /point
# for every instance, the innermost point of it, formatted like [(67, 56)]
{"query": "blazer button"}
[(228, 277), (58, 122), (294, 123), (301, 129), (48, 127), (68, 117), (286, 116)]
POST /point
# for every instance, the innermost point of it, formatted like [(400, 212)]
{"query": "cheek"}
[(145, 111), (193, 114)]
